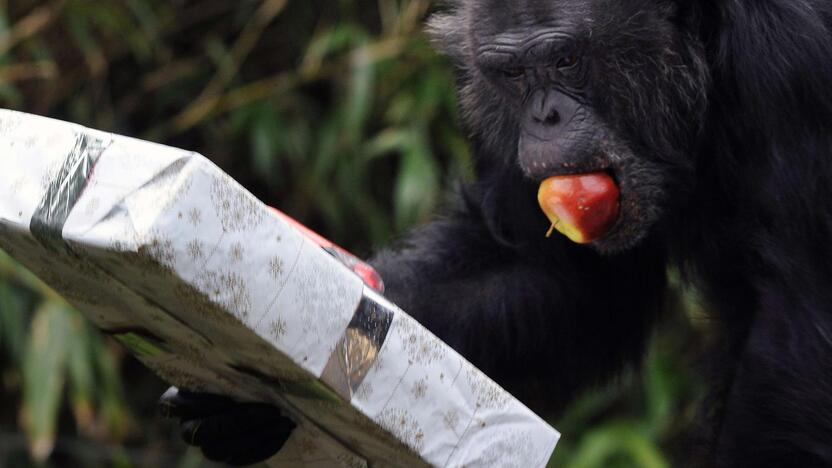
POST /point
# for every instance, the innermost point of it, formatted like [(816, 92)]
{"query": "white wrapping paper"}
[(214, 292)]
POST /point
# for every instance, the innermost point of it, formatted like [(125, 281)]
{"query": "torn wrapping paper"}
[(216, 292)]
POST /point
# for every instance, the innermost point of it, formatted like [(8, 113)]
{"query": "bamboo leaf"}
[(81, 372), (619, 442), (360, 96), (417, 184), (44, 365), (12, 323)]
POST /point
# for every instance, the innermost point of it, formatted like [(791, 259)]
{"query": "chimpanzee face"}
[(578, 86)]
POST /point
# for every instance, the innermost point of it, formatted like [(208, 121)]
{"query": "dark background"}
[(339, 113)]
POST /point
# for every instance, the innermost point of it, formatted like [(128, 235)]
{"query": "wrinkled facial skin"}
[(575, 86)]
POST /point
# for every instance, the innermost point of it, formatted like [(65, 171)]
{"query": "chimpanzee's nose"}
[(543, 109)]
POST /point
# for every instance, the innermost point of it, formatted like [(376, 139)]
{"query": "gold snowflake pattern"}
[(278, 328), (154, 255), (237, 210), (179, 189), (192, 299), (421, 347), (194, 217), (514, 451), (30, 142), (236, 252), (364, 391), (276, 267), (195, 250), (451, 419), (488, 394), (321, 297), (9, 122), (228, 289), (420, 388), (401, 424)]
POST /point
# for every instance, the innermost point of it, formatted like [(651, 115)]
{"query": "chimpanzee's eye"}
[(513, 73), (568, 61)]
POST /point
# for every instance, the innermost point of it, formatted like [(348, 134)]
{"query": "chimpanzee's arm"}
[(543, 317)]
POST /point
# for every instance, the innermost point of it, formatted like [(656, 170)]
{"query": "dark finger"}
[(247, 449), (219, 452), (242, 420), (260, 448), (189, 429)]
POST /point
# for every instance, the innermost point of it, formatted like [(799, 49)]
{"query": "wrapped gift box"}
[(216, 292)]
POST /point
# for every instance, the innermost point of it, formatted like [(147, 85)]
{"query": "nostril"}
[(553, 118), (550, 118)]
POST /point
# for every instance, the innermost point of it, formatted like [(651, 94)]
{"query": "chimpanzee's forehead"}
[(496, 17)]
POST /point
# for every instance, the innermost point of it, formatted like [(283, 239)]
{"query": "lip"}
[(577, 169), (598, 162)]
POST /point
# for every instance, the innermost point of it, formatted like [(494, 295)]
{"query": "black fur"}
[(719, 115), (715, 117)]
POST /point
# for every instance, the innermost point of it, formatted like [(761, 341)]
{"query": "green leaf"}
[(266, 138), (81, 371), (109, 388), (329, 42), (386, 142), (326, 155), (619, 442), (12, 323), (44, 366), (359, 97), (660, 391), (4, 21), (417, 184)]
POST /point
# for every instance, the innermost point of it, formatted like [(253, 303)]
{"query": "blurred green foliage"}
[(340, 113)]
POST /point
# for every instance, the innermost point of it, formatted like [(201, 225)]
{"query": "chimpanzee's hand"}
[(227, 431)]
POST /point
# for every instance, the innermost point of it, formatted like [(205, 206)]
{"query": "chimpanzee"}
[(713, 118)]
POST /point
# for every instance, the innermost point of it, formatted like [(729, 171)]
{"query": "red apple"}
[(583, 207)]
